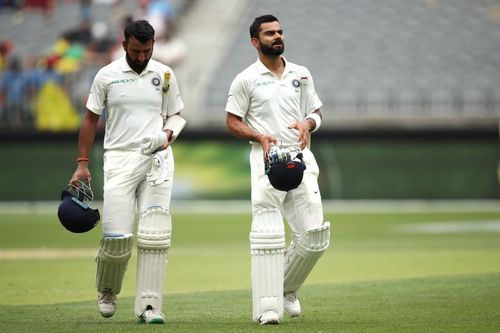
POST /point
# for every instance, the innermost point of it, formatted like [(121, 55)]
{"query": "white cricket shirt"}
[(134, 102), (268, 104)]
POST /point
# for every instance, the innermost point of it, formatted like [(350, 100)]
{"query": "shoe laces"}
[(150, 312), (291, 297), (107, 296)]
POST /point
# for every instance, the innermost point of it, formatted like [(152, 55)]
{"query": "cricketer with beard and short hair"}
[(273, 102), (142, 102)]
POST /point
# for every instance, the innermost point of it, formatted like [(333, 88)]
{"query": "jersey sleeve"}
[(97, 96), (311, 99), (174, 103), (238, 99)]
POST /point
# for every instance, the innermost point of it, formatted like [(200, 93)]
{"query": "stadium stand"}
[(70, 42), (376, 64), (32, 33), (385, 63)]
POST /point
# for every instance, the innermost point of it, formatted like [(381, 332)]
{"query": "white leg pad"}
[(267, 244), (112, 260), (303, 254), (153, 242)]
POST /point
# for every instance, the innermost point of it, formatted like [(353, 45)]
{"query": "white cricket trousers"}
[(126, 188), (301, 207)]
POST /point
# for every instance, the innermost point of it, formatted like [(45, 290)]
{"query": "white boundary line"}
[(244, 207)]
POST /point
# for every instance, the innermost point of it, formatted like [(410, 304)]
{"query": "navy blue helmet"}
[(74, 211), (284, 172)]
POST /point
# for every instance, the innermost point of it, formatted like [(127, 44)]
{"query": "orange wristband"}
[(82, 159)]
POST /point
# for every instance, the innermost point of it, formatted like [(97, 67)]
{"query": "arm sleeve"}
[(97, 96), (238, 99), (174, 103), (312, 101)]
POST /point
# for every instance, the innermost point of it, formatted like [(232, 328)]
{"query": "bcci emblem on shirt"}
[(156, 83)]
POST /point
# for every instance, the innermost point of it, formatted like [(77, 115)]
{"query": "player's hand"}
[(303, 128), (153, 143), (82, 171), (266, 141)]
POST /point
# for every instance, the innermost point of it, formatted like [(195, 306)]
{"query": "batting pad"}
[(153, 242), (112, 260), (267, 245), (303, 254)]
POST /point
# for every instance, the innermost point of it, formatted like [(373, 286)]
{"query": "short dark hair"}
[(141, 30), (255, 27)]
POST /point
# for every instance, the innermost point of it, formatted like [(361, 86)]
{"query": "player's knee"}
[(313, 242), (117, 248), (268, 220), (155, 228), (268, 231)]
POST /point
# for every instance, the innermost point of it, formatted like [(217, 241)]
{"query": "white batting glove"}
[(158, 173), (151, 143)]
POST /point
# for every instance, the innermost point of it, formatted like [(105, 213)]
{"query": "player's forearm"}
[(313, 120), (241, 130), (244, 132), (87, 134)]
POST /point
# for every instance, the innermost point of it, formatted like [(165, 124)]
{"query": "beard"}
[(270, 50), (136, 65)]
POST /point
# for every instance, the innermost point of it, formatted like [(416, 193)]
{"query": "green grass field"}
[(429, 271)]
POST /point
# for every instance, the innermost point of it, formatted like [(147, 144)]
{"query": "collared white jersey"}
[(268, 104), (134, 102)]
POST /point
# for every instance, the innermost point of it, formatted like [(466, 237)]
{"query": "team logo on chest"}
[(295, 83), (156, 82)]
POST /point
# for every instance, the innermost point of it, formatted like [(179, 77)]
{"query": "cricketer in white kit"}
[(142, 106), (273, 101)]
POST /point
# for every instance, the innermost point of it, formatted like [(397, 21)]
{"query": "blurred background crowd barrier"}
[(411, 91)]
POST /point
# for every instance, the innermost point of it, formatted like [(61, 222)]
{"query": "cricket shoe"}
[(269, 318), (291, 304), (106, 302), (151, 316)]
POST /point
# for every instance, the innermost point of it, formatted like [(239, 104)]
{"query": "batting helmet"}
[(284, 173), (74, 211)]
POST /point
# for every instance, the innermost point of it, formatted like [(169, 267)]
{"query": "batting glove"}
[(151, 143), (158, 173)]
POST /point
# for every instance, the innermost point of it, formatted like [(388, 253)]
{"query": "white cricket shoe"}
[(151, 316), (291, 304), (269, 318), (106, 302)]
